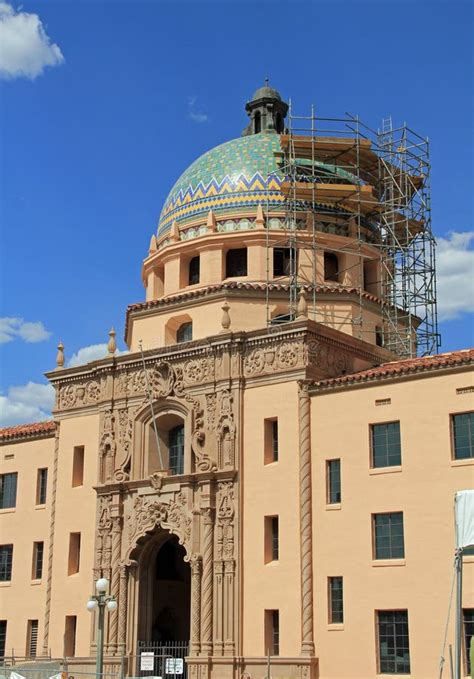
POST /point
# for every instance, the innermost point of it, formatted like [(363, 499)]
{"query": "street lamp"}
[(101, 601)]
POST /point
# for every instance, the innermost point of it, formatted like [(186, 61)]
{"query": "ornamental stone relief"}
[(225, 521), (274, 358), (125, 418), (149, 513), (76, 395)]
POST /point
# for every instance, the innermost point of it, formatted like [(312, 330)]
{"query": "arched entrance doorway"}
[(164, 602)]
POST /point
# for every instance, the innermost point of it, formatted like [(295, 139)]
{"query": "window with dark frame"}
[(270, 443), (468, 633), (272, 632), (336, 604), (176, 449), (282, 259), (74, 557), (236, 263), (194, 270), (463, 435), (38, 553), (333, 481), (331, 267), (41, 486), (70, 636), (3, 637), (386, 446), (393, 642), (388, 536), (6, 561), (275, 538), (32, 638), (184, 333), (8, 486), (78, 466)]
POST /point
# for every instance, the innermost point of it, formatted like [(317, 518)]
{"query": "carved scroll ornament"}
[(172, 516)]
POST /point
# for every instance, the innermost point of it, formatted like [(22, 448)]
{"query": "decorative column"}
[(49, 580), (207, 576), (196, 571), (122, 611), (115, 569), (306, 544), (229, 577)]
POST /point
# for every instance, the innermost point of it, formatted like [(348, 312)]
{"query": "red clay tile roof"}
[(407, 366), (24, 431)]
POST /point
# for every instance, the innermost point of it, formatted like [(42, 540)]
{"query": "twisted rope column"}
[(122, 610), (49, 582), (207, 584), (306, 544), (196, 570), (116, 549)]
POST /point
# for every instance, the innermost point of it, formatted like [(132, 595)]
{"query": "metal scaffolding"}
[(370, 189)]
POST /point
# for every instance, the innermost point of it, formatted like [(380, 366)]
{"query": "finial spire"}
[(112, 345), (225, 320), (60, 356), (267, 81)]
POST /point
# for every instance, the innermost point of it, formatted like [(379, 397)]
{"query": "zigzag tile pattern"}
[(240, 173)]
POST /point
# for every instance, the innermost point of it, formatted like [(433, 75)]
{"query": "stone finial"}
[(302, 308), (174, 232), (225, 320), (260, 220), (211, 222), (112, 344), (153, 245), (60, 356)]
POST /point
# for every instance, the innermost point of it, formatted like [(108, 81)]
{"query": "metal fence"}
[(165, 659), (13, 667)]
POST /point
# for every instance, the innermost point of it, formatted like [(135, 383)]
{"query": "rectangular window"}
[(284, 261), (468, 629), (388, 536), (333, 481), (463, 435), (74, 553), (386, 449), (236, 262), (393, 642), (272, 632), (41, 486), (70, 636), (31, 638), (78, 466), (271, 539), (3, 637), (8, 483), (270, 440), (38, 551), (6, 559), (336, 606)]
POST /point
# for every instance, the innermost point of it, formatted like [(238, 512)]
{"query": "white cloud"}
[(193, 114), (30, 402), (25, 48), (93, 352), (12, 328), (455, 269), (87, 354)]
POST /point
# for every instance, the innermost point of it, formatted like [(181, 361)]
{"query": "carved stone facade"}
[(138, 505)]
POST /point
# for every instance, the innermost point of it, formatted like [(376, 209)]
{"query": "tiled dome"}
[(239, 174)]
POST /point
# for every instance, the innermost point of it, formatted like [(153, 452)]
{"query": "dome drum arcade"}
[(224, 229)]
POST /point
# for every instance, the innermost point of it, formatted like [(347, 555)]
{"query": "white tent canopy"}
[(464, 514)]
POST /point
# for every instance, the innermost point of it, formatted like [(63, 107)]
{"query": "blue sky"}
[(115, 99)]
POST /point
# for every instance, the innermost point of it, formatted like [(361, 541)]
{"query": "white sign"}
[(174, 666), (147, 661)]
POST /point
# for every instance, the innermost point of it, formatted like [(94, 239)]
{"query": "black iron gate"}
[(163, 659)]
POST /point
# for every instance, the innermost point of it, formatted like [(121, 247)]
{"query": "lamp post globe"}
[(91, 605), (101, 585)]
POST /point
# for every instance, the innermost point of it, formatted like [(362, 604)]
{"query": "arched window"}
[(184, 333), (165, 448), (279, 123), (236, 262), (331, 267), (194, 271), (257, 122), (176, 449)]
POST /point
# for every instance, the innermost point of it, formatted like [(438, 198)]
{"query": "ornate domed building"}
[(248, 477)]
